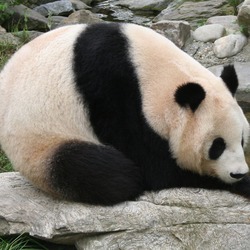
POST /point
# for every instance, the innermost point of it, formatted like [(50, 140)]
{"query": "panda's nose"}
[(237, 176)]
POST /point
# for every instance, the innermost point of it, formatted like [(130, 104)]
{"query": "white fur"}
[(39, 108)]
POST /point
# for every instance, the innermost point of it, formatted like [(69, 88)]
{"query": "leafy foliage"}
[(5, 165), (5, 12), (235, 3)]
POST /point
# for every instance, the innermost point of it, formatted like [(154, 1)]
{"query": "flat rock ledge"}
[(172, 219)]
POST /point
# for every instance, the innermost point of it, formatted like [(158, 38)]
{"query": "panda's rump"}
[(36, 101), (39, 108)]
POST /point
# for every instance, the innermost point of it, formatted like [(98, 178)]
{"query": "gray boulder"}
[(209, 33), (194, 11), (34, 3), (57, 8), (8, 38), (80, 16), (144, 4), (169, 219), (26, 18), (229, 45), (54, 21), (228, 22), (176, 31), (79, 5)]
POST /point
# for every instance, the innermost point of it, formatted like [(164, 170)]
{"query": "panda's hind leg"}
[(94, 174)]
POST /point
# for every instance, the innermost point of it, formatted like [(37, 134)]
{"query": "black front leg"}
[(242, 187), (190, 179)]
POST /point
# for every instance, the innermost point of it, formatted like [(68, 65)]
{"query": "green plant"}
[(23, 33), (21, 242), (201, 22), (6, 50), (234, 4), (5, 165), (244, 30), (5, 12)]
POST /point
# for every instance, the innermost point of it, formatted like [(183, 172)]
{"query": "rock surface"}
[(144, 4), (34, 3), (8, 38), (176, 31), (62, 8), (229, 45), (209, 33), (26, 18), (79, 5), (169, 219), (203, 52), (80, 16), (228, 22), (190, 11)]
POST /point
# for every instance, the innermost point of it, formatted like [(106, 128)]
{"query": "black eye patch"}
[(217, 148)]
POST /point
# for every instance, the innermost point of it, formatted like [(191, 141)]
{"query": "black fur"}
[(217, 148), (230, 78), (190, 95), (94, 174), (107, 81)]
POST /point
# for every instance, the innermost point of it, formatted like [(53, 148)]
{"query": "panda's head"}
[(210, 131)]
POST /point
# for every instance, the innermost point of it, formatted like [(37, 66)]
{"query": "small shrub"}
[(26, 242), (244, 30), (201, 22), (5, 13), (235, 3), (6, 50), (5, 165)]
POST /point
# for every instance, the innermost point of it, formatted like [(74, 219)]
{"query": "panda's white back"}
[(41, 104)]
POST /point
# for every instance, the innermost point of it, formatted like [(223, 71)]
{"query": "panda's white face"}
[(224, 151), (208, 130), (211, 141)]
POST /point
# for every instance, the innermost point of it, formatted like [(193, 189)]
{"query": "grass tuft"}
[(6, 51), (21, 242), (5, 165)]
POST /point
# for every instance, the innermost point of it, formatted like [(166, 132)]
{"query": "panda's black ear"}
[(230, 78), (190, 95)]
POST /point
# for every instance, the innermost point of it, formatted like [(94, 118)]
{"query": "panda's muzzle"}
[(237, 176)]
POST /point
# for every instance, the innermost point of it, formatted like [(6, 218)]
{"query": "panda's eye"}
[(217, 148), (242, 142)]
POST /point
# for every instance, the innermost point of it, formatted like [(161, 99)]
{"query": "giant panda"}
[(101, 113)]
